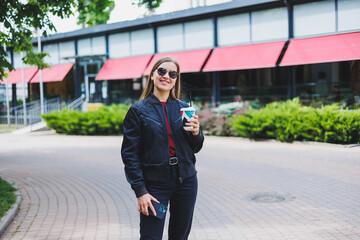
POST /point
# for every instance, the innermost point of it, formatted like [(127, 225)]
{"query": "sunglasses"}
[(172, 74)]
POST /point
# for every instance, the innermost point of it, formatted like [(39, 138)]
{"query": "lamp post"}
[(24, 91), (40, 75), (7, 96)]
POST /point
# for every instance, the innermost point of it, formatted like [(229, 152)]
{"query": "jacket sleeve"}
[(131, 151), (196, 142)]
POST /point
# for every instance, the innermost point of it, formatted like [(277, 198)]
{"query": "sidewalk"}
[(73, 187)]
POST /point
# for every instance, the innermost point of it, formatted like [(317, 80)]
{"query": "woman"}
[(159, 154)]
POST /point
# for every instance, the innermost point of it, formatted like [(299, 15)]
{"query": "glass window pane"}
[(270, 24), (53, 50), (67, 49), (314, 18), (84, 47), (199, 34), (98, 45), (233, 30), (8, 58), (119, 45), (170, 38), (142, 42), (349, 14), (17, 60)]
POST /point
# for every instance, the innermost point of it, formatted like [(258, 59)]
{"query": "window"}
[(84, 47), (234, 29), (269, 24), (53, 51), (314, 18), (142, 42), (349, 14), (199, 34), (67, 49), (92, 46), (119, 45), (8, 56), (98, 45), (170, 38)]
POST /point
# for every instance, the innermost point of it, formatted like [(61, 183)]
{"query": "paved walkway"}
[(73, 187)]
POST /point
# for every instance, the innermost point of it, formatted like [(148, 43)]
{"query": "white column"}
[(7, 96), (24, 89), (87, 92), (40, 75)]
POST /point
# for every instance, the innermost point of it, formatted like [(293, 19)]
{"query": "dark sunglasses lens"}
[(161, 71), (173, 74)]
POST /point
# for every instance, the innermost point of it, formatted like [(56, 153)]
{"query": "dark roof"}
[(235, 6)]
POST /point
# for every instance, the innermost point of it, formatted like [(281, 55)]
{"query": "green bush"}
[(7, 197), (107, 120), (289, 121)]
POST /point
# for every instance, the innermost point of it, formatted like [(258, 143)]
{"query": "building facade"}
[(256, 50)]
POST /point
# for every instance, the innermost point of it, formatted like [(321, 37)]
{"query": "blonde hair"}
[(149, 88)]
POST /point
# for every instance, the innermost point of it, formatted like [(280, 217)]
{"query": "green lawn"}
[(7, 196), (7, 128)]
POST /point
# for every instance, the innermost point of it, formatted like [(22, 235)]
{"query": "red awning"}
[(55, 73), (123, 68), (334, 48), (262, 55), (15, 75), (190, 61)]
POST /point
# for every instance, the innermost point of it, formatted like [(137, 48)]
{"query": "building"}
[(260, 50)]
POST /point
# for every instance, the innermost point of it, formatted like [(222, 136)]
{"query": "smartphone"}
[(160, 210)]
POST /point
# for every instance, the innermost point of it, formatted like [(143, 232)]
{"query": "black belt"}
[(173, 161)]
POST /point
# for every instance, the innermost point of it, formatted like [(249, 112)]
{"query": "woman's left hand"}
[(194, 122)]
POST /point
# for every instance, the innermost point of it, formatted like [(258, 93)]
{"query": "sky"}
[(123, 10)]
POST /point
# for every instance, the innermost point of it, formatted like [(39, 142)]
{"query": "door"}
[(90, 88)]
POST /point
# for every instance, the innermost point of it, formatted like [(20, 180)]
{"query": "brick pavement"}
[(73, 187)]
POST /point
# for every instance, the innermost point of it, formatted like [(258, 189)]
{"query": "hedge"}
[(289, 121), (107, 120)]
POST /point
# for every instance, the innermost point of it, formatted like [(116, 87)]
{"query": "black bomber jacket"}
[(145, 146)]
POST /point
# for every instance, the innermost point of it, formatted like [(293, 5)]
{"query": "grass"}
[(7, 196), (6, 128)]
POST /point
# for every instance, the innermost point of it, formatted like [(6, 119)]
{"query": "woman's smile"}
[(164, 83)]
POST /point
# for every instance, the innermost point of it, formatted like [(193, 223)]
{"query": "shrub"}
[(7, 196), (216, 121), (103, 121), (289, 121)]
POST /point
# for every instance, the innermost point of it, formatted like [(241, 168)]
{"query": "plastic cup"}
[(186, 114)]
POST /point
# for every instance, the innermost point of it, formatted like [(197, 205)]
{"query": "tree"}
[(93, 12), (151, 5), (20, 21)]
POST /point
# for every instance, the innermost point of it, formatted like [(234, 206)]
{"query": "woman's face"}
[(166, 82)]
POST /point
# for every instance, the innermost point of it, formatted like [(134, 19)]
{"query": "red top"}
[(171, 142)]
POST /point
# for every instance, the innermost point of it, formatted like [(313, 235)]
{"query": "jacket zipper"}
[(172, 135)]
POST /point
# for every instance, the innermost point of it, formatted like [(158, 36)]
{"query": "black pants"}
[(182, 199)]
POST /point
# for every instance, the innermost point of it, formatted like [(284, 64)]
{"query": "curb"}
[(11, 213)]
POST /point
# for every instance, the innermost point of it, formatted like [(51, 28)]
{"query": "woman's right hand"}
[(144, 202)]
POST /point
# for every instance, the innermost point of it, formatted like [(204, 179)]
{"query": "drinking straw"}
[(190, 100)]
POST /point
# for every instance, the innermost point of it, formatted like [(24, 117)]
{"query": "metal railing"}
[(77, 103), (33, 111)]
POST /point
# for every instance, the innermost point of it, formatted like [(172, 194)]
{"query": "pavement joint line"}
[(11, 213)]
